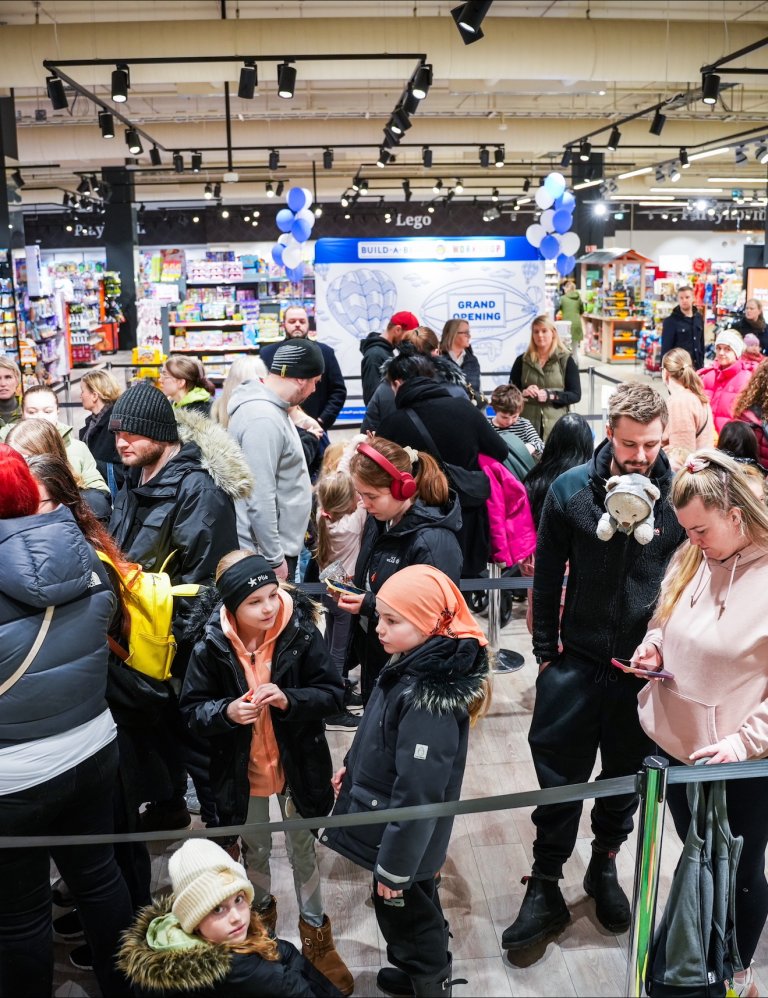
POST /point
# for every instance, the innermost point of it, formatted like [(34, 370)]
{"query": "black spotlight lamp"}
[(410, 101), (363, 186), (17, 178), (710, 88), (437, 186), (498, 157), (286, 80), (684, 161), (658, 123), (84, 187), (355, 183), (613, 139), (327, 158), (217, 191), (248, 81), (56, 94), (407, 192), (274, 159), (279, 189), (133, 141), (422, 81), (426, 157), (468, 17), (178, 162), (390, 139), (270, 190), (385, 156), (121, 83), (485, 156), (399, 122), (208, 192), (585, 151), (197, 162), (659, 174), (567, 157), (106, 124)]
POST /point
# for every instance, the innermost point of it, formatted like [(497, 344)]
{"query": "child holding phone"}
[(411, 748)]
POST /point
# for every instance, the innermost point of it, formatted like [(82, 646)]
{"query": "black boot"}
[(542, 913), (602, 884), (392, 981), (438, 985)]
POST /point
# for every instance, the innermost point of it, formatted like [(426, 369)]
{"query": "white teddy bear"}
[(629, 501)]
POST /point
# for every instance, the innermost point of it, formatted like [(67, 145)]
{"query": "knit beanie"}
[(145, 411), (750, 340), (202, 876), (731, 338), (298, 358)]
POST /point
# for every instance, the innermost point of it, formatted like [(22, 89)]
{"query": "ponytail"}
[(432, 483), (679, 366)]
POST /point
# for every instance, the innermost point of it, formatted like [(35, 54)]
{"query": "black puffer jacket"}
[(410, 748), (469, 367), (376, 350), (612, 585), (302, 668), (684, 331)]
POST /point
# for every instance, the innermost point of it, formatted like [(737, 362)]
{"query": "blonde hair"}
[(679, 366), (482, 702), (721, 485), (331, 457), (103, 384), (335, 494), (636, 401), (37, 437), (244, 368), (231, 559), (557, 344), (11, 365), (423, 338), (450, 332)]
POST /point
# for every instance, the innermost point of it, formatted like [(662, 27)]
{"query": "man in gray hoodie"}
[(274, 519)]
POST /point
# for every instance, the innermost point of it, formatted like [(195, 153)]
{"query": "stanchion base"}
[(508, 661)]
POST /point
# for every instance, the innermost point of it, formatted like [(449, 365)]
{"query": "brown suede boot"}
[(268, 916), (318, 947)]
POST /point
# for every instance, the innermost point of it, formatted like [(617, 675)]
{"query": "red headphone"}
[(403, 485)]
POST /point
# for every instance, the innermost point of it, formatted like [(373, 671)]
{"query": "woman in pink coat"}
[(726, 378)]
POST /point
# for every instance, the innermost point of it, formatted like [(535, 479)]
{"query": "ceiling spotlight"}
[(356, 183), (84, 187), (178, 162), (318, 211), (761, 152), (286, 80), (208, 192), (133, 141), (270, 191), (468, 17), (422, 81), (224, 213), (674, 173), (567, 156), (426, 157), (613, 139), (408, 193), (106, 124), (740, 155), (363, 186), (431, 209), (66, 200), (684, 162), (248, 81), (384, 157), (495, 194), (390, 139), (485, 156), (600, 210), (154, 156), (458, 187), (41, 114), (195, 219), (526, 185), (498, 156), (658, 123), (18, 180), (659, 174), (399, 122), (344, 200), (279, 189), (274, 159), (449, 196), (217, 191), (585, 151), (410, 101), (437, 186), (56, 94), (327, 158), (197, 162), (121, 83), (710, 88)]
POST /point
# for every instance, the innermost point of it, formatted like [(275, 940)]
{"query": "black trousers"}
[(579, 709), (415, 930), (747, 805)]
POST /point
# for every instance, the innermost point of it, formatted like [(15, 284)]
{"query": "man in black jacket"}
[(377, 348), (583, 703), (684, 328)]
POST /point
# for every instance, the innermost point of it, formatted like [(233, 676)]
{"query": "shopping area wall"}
[(720, 246)]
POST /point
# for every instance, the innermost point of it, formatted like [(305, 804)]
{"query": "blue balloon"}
[(562, 220), (550, 247), (297, 199), (295, 273), (565, 265), (277, 254), (284, 219), (567, 201), (300, 230)]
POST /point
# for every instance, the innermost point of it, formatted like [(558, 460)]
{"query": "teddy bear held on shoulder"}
[(629, 501)]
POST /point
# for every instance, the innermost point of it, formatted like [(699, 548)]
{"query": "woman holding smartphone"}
[(711, 633)]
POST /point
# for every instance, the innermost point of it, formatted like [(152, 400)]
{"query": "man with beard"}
[(583, 703), (684, 327)]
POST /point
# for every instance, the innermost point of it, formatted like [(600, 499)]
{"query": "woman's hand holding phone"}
[(646, 656)]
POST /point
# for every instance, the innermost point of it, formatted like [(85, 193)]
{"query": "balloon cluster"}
[(551, 235), (295, 222)]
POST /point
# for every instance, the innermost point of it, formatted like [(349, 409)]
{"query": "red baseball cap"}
[(405, 319)]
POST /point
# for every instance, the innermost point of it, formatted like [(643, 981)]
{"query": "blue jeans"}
[(75, 803)]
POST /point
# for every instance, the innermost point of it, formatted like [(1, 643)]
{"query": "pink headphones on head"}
[(403, 485)]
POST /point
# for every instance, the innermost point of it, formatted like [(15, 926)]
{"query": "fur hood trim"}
[(199, 968), (455, 684), (220, 455)]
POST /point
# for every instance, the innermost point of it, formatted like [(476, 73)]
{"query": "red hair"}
[(19, 495)]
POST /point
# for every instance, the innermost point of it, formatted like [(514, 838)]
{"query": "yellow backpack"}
[(148, 600)]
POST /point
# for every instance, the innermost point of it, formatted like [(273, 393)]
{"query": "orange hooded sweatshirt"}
[(265, 770)]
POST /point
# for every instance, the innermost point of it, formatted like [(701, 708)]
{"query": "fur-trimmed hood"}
[(443, 674), (169, 970), (220, 455)]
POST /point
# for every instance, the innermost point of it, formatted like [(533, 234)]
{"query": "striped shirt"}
[(522, 428)]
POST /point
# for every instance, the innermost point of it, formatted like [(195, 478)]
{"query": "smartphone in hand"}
[(343, 587), (636, 670)]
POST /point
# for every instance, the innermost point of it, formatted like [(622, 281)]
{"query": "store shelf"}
[(233, 348), (208, 323)]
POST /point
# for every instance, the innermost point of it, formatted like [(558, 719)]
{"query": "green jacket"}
[(552, 377), (571, 308), (12, 417)]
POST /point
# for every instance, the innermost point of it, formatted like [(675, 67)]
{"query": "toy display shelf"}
[(606, 332)]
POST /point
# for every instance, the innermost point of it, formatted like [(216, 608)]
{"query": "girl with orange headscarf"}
[(411, 748)]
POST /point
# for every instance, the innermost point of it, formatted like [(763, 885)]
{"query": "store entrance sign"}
[(415, 222), (89, 230)]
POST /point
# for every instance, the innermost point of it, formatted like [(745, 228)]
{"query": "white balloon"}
[(555, 184), (307, 215), (548, 219), (292, 255), (534, 234), (544, 199), (308, 195), (569, 243), (286, 239)]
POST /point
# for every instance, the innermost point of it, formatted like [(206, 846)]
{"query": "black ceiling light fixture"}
[(18, 180), (437, 186), (458, 187), (495, 194), (279, 189), (385, 156), (208, 192), (613, 139), (567, 157), (154, 156), (390, 139), (658, 123), (710, 88), (410, 101), (121, 83), (178, 162), (659, 174), (498, 157), (248, 80), (133, 141), (217, 191), (674, 173), (684, 161), (585, 151), (526, 185), (56, 94), (274, 159), (355, 183), (106, 124), (286, 80), (468, 17), (197, 162), (421, 81), (327, 158), (407, 192), (740, 155), (84, 187), (399, 122), (363, 186), (426, 157), (485, 156)]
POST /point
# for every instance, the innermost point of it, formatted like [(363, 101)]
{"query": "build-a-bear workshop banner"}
[(495, 283)]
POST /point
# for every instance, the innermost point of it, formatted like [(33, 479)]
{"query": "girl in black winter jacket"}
[(414, 525), (258, 685), (410, 749)]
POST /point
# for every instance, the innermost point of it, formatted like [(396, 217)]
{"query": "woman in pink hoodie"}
[(726, 378), (711, 633)]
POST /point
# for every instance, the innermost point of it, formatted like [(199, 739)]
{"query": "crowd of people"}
[(237, 495)]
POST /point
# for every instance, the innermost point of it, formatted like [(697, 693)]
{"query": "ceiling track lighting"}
[(84, 187), (121, 83), (495, 194), (208, 192), (658, 123), (399, 122), (279, 189), (659, 174), (17, 178), (526, 185), (390, 138), (585, 151), (468, 18), (710, 88), (761, 152), (485, 156), (674, 173), (567, 157), (327, 158), (684, 161), (217, 191), (356, 183), (437, 187), (407, 192), (449, 196), (286, 80), (458, 187), (274, 159), (248, 81), (385, 156), (178, 162), (344, 200), (56, 93), (740, 155), (614, 139), (498, 157), (106, 124), (426, 157), (133, 141), (410, 101), (154, 156), (421, 81), (363, 186), (197, 162)]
